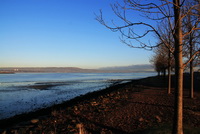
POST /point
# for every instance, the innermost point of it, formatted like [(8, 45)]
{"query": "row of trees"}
[(177, 27), (163, 59)]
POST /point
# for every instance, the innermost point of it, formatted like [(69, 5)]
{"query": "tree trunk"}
[(191, 74), (164, 72), (169, 73), (178, 105), (191, 68), (158, 73), (191, 80)]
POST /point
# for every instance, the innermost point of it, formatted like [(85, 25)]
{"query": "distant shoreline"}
[(6, 72), (129, 69)]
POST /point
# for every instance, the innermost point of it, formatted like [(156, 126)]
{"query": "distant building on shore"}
[(16, 70)]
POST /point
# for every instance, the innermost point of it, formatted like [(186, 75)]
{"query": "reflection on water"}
[(26, 92)]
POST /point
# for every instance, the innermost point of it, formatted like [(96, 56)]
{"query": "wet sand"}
[(124, 108)]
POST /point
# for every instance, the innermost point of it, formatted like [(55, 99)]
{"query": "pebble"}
[(34, 121), (141, 119), (158, 118)]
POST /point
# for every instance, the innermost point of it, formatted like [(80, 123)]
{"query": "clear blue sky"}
[(61, 33)]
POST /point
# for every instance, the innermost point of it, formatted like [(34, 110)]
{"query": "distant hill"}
[(45, 70), (132, 68)]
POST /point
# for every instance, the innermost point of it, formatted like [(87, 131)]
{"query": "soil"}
[(121, 109)]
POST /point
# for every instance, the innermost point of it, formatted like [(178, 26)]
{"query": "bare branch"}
[(192, 57)]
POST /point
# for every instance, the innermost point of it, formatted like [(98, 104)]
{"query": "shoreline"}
[(7, 122), (131, 107), (47, 86), (7, 72)]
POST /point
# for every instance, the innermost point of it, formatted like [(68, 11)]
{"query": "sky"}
[(62, 33)]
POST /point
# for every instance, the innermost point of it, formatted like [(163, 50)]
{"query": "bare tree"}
[(160, 59), (168, 41), (158, 12), (191, 40)]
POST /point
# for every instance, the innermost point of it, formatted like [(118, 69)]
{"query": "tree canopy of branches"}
[(160, 59), (157, 12)]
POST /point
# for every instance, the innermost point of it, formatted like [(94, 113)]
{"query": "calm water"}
[(25, 92)]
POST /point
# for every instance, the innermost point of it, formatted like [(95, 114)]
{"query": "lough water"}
[(26, 92)]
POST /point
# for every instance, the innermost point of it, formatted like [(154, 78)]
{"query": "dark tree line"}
[(177, 27), (162, 60)]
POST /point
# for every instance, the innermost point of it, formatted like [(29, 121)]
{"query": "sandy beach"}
[(139, 106)]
